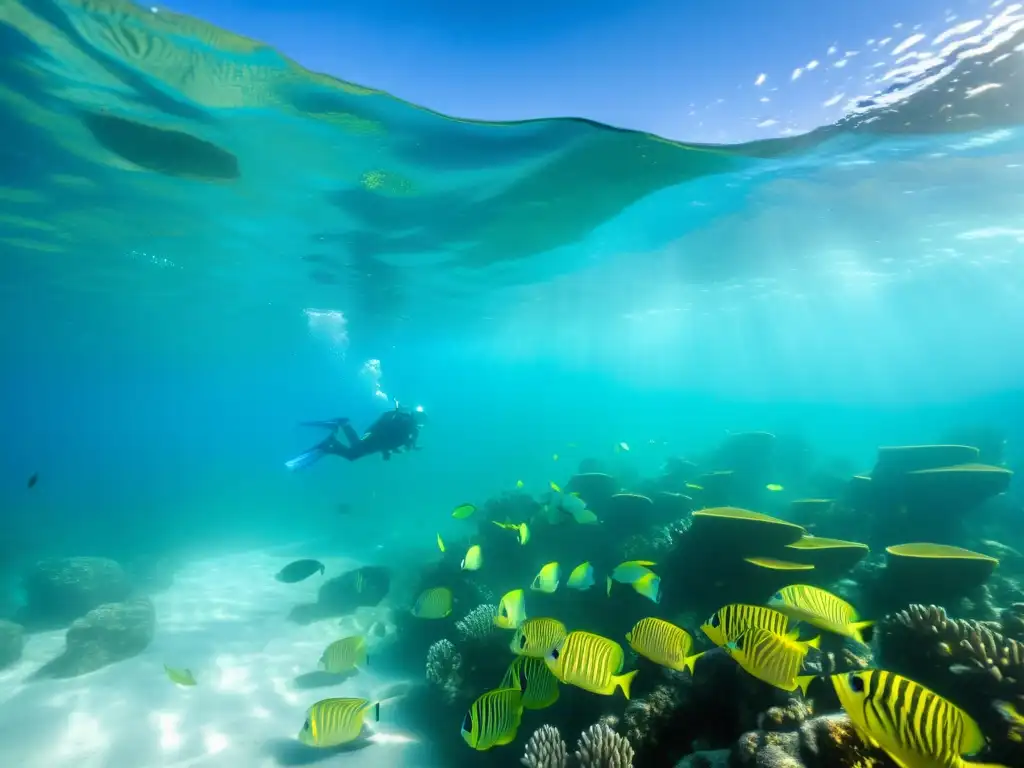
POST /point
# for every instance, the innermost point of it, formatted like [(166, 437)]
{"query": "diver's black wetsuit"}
[(394, 431)]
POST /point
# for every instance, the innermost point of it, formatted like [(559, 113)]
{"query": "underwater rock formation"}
[(444, 669), (12, 642), (545, 749), (359, 588), (150, 574), (107, 634), (829, 741), (60, 590), (478, 624)]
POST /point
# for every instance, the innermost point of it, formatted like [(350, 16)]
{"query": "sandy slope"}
[(225, 620)]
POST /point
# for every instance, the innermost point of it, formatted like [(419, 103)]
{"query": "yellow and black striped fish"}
[(541, 685), (536, 637), (332, 722), (493, 719), (775, 659), (434, 603), (344, 655), (821, 609), (915, 726), (663, 643), (728, 623), (590, 662)]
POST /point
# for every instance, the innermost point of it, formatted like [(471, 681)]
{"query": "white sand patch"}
[(225, 620)]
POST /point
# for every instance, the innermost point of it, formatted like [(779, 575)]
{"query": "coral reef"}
[(478, 624), (545, 749), (444, 669), (12, 642), (107, 634), (601, 747), (829, 741), (60, 590)]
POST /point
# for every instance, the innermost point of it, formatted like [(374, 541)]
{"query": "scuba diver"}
[(392, 432)]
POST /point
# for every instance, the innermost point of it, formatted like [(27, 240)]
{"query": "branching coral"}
[(478, 624), (545, 749), (961, 641), (601, 747), (444, 669)]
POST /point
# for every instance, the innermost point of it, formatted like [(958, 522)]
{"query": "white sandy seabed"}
[(224, 619)]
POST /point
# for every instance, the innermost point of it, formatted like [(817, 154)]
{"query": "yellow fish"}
[(440, 542), (821, 609), (915, 726), (519, 483), (554, 457), (546, 580), (663, 643), (649, 585), (695, 487), (463, 511), (332, 722), (582, 577), (774, 659), (728, 623), (344, 655), (554, 487), (774, 487), (524, 533), (434, 603), (536, 637), (494, 718), (506, 526), (631, 570), (590, 662), (474, 559), (511, 610), (541, 685), (180, 676)]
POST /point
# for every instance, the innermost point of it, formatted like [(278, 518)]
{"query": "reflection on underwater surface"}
[(203, 244)]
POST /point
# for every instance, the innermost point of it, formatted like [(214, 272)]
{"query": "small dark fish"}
[(299, 570), (33, 479), (344, 509)]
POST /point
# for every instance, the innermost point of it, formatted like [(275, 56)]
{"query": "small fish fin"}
[(624, 681), (629, 636), (814, 642), (794, 634), (858, 631), (689, 662), (804, 682)]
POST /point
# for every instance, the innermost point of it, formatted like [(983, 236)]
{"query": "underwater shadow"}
[(291, 752), (320, 679)]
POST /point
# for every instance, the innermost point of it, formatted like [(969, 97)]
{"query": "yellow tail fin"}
[(689, 661), (814, 642), (624, 681), (804, 681)]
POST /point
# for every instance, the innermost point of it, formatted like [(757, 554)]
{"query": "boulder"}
[(12, 641), (105, 635), (60, 590)]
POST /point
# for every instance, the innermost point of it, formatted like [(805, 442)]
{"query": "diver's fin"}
[(313, 455), (328, 424)]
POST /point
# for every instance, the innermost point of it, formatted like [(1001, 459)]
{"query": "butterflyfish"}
[(649, 585), (771, 658), (541, 685), (915, 726), (590, 662), (474, 559), (728, 623), (440, 542), (180, 676), (332, 722), (663, 643), (463, 511), (547, 579), (774, 487), (536, 637), (631, 570), (511, 610), (344, 655), (434, 603), (821, 609), (494, 718), (582, 577)]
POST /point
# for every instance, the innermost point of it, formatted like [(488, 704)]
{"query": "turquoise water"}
[(203, 244)]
